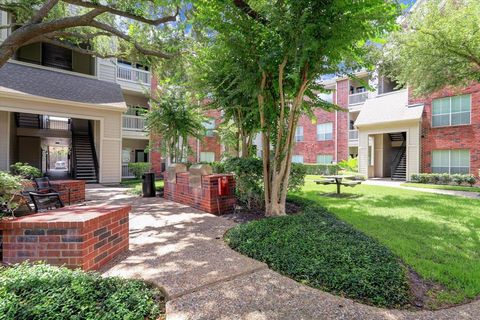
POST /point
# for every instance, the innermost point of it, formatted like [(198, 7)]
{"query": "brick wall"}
[(206, 197), (207, 144), (85, 237), (71, 191), (454, 137)]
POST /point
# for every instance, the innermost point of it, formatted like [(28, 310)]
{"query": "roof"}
[(387, 108), (30, 80)]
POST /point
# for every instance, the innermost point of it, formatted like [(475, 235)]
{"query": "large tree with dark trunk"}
[(105, 28)]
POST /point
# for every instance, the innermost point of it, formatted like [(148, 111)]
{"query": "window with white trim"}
[(297, 159), (299, 134), (209, 126), (451, 161), (324, 158), (451, 111), (325, 131), (207, 156)]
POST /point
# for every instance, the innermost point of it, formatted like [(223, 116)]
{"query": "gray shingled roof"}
[(57, 85)]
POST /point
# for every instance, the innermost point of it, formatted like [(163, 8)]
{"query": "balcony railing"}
[(126, 172), (133, 74), (357, 97), (352, 135), (133, 123)]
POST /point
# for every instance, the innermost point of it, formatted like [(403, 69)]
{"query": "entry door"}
[(141, 156)]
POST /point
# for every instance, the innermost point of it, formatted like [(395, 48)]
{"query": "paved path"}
[(181, 249), (398, 184)]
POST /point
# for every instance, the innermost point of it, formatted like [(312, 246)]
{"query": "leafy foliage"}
[(139, 168), (321, 169), (317, 249), (439, 46), (350, 165), (45, 292), (10, 189), (25, 170), (444, 178)]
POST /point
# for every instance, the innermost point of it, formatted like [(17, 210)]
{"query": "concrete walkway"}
[(398, 184), (181, 250)]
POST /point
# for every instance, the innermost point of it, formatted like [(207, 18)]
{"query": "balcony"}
[(134, 127), (126, 172), (357, 98), (353, 138), (133, 74)]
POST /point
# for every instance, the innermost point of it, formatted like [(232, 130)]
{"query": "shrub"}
[(317, 249), (321, 169), (424, 178), (297, 177), (470, 179), (41, 291), (139, 168), (434, 178), (249, 180), (25, 170), (445, 178), (415, 177), (10, 189), (350, 165), (458, 178), (217, 166)]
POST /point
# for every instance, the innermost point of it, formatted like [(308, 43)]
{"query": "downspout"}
[(336, 123), (198, 150)]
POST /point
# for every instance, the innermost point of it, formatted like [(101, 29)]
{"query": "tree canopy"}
[(111, 28), (439, 46)]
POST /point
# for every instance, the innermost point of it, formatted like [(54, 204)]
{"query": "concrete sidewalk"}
[(181, 250)]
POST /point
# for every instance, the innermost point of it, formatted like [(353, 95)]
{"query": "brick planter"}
[(78, 237), (71, 191), (206, 197)]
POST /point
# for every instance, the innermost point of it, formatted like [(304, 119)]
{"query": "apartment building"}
[(73, 115)]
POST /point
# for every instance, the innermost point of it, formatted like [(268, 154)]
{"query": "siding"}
[(4, 141), (106, 70)]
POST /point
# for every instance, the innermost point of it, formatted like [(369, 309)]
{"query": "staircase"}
[(399, 163), (28, 120), (83, 152)]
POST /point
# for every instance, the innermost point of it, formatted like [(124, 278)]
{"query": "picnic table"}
[(339, 181)]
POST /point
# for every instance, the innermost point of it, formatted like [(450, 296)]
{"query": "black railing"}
[(92, 146), (398, 157)]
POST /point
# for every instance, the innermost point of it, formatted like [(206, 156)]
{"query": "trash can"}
[(148, 184)]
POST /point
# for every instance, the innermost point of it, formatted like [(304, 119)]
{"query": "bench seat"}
[(326, 181), (350, 183)]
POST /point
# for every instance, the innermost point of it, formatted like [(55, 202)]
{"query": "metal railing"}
[(352, 135), (126, 172), (57, 124), (133, 74), (357, 97), (133, 123)]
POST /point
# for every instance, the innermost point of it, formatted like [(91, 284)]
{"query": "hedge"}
[(444, 178)]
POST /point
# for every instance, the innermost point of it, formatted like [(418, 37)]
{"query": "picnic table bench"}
[(339, 181)]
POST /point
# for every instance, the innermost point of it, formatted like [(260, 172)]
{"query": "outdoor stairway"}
[(28, 120), (397, 136), (400, 171), (84, 162)]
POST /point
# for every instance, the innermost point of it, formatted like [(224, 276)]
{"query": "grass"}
[(41, 291), (319, 250), (441, 187), (135, 185), (437, 235)]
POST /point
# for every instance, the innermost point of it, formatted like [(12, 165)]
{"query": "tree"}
[(138, 27), (174, 119), (439, 46), (284, 47)]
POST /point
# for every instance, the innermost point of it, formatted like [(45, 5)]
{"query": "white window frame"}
[(450, 112), (299, 156), (209, 126), (299, 135), (324, 155), (450, 160), (203, 157), (322, 136)]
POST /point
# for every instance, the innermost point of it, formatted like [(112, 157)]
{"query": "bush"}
[(10, 190), (470, 179), (350, 165), (139, 168), (458, 179), (297, 177), (25, 170), (41, 291), (321, 169), (217, 166), (317, 249), (444, 178)]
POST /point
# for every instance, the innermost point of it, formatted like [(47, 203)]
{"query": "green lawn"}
[(438, 235), (135, 185), (441, 187)]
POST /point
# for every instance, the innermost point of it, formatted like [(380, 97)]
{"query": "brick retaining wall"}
[(206, 197), (84, 237), (71, 191)]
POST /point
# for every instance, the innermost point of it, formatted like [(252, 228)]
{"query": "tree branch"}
[(122, 13), (245, 7), (43, 12), (8, 26), (74, 48)]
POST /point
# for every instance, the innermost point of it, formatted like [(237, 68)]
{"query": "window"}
[(297, 159), (324, 158), (451, 111), (207, 156), (299, 134), (451, 161), (209, 125), (324, 131)]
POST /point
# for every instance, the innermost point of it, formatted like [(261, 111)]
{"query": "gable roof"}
[(33, 81)]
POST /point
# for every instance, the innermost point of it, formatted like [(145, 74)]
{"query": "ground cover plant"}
[(441, 187), (135, 185), (436, 235), (41, 291), (319, 250)]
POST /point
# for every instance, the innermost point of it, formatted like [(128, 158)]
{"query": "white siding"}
[(106, 70), (3, 21), (4, 141)]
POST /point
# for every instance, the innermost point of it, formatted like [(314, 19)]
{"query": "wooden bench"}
[(350, 183), (325, 181)]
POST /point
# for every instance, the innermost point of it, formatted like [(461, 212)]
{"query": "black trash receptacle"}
[(148, 184)]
